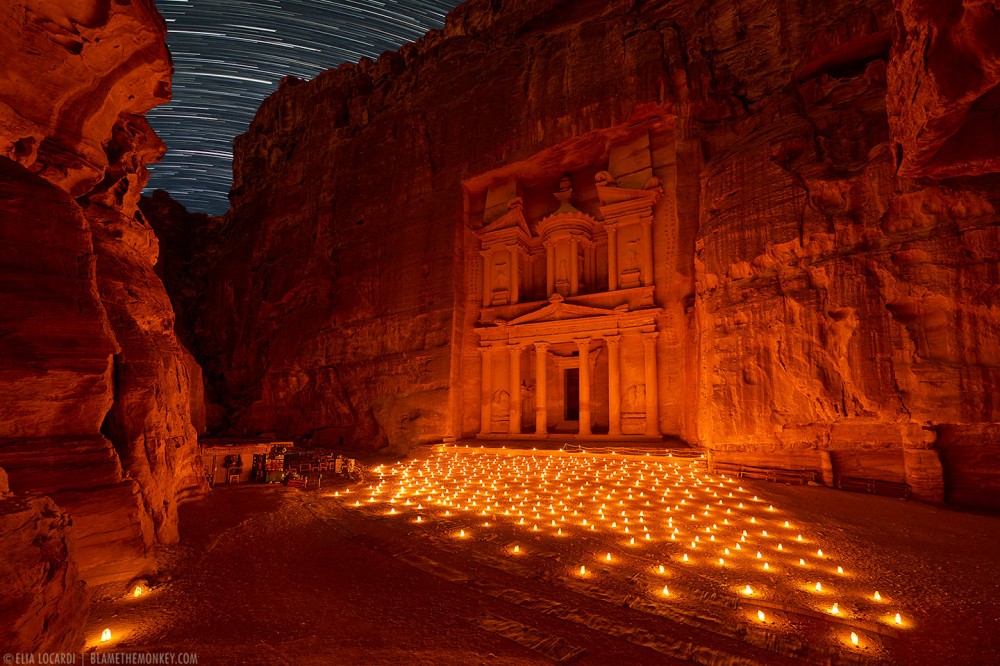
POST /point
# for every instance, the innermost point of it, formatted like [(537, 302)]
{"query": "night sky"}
[(230, 54)]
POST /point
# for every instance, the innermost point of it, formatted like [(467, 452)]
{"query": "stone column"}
[(515, 273), (486, 417), (612, 257), (515, 388), (652, 398), (487, 275), (550, 269), (574, 266), (647, 251), (541, 406), (614, 384), (584, 347)]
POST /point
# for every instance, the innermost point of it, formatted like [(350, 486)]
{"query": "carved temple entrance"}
[(570, 369), (564, 305), (583, 360)]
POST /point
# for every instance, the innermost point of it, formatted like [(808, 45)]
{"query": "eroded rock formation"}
[(826, 301), (96, 408), (43, 600)]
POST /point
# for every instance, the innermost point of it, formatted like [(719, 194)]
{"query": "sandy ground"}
[(267, 574)]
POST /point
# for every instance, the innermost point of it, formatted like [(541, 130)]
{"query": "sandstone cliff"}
[(831, 264), (44, 600), (96, 410)]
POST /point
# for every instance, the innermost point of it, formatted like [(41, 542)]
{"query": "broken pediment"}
[(513, 219)]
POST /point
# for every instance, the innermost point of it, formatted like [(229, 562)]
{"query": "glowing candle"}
[(840, 570), (517, 549), (137, 592), (899, 620), (819, 586), (878, 597), (661, 568), (760, 615), (854, 638), (608, 557), (748, 591), (666, 591), (836, 609), (105, 635), (583, 570)]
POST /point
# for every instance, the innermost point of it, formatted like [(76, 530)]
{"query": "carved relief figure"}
[(501, 278), (501, 404), (632, 254), (563, 273), (634, 399)]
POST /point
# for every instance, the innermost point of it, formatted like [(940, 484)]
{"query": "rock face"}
[(826, 300), (43, 599), (944, 88), (96, 411)]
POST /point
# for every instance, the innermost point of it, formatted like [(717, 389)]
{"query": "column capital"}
[(486, 252), (582, 343), (541, 345), (515, 347), (486, 350), (611, 226), (612, 340), (650, 338)]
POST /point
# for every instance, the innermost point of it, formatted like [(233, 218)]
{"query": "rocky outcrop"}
[(44, 601), (822, 296), (96, 409), (944, 88)]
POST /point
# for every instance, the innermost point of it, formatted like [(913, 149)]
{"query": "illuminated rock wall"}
[(818, 304), (95, 411)]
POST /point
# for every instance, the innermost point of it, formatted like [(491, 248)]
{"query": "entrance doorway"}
[(572, 397)]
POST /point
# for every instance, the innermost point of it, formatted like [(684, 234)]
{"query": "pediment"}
[(512, 219), (559, 310)]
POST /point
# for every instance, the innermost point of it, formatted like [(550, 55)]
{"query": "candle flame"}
[(105, 635)]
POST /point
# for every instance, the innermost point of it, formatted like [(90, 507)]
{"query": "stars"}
[(229, 56)]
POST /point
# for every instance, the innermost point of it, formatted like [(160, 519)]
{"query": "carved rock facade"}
[(819, 299)]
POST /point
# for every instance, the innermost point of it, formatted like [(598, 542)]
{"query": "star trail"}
[(230, 54)]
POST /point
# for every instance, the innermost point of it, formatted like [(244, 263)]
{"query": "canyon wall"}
[(833, 260), (96, 413)]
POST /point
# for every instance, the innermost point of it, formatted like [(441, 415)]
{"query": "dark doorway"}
[(572, 401)]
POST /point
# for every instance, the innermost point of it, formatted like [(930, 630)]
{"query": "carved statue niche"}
[(501, 405), (634, 400), (632, 254), (527, 401)]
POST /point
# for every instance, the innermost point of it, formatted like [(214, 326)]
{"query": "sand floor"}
[(271, 575)]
